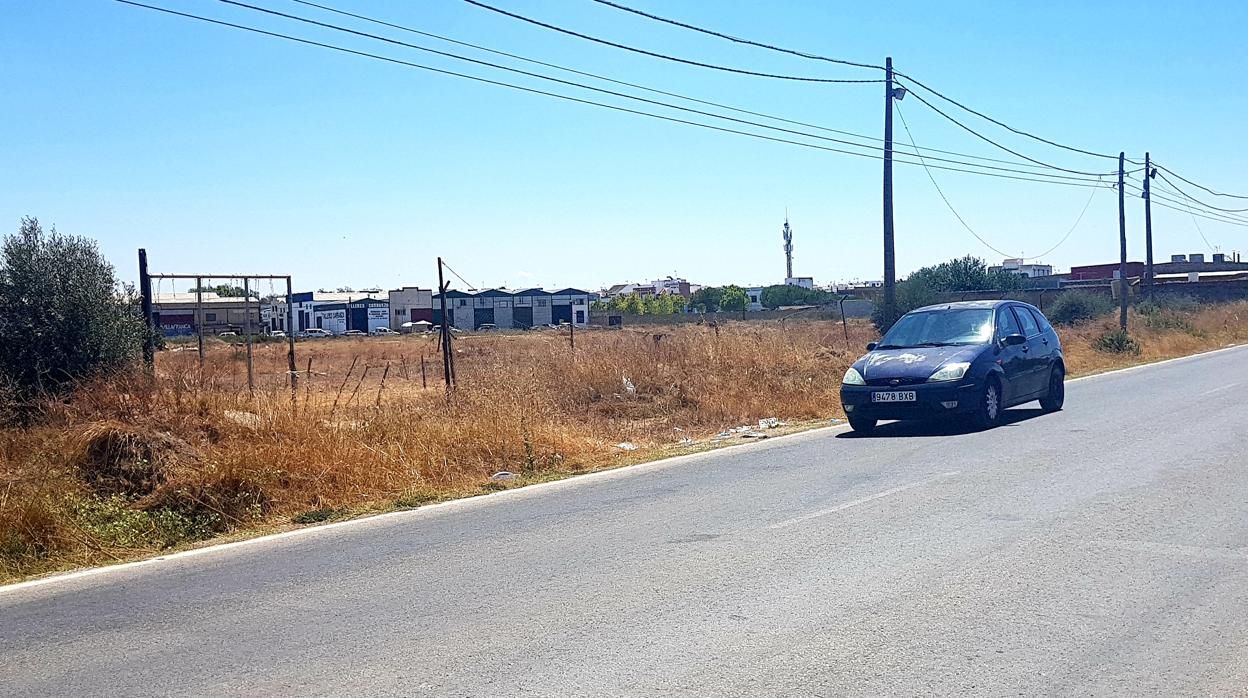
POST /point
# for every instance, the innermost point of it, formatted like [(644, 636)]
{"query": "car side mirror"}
[(1013, 340), (872, 345)]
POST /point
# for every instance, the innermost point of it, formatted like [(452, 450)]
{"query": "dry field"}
[(134, 464)]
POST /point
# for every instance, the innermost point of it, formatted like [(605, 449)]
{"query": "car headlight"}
[(853, 377), (951, 372)]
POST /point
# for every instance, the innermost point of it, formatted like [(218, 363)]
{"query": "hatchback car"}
[(354, 333), (316, 332), (971, 359)]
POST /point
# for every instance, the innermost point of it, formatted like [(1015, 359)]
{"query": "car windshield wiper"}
[(936, 344), (891, 346)]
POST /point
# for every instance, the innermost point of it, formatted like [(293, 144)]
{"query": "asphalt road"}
[(1102, 550)]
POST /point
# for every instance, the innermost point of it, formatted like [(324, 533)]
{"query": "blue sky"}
[(223, 151)]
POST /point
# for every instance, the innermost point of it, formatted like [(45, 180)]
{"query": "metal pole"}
[(251, 382), (1122, 244), (890, 262), (844, 322), (1148, 229), (145, 288), (199, 318), (290, 339)]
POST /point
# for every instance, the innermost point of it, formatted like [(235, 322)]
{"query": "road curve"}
[(1099, 550)]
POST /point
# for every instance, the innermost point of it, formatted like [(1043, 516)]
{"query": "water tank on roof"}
[(1178, 258), (1219, 258), (1196, 258)]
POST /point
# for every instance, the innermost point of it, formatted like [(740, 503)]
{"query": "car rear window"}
[(1030, 328), (1044, 322)]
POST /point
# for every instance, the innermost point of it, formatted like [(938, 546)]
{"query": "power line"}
[(442, 71), (986, 139), (467, 283), (1200, 186), (736, 39), (977, 236), (817, 57), (600, 90), (1185, 195), (1184, 207), (655, 54), (1160, 192), (596, 76)]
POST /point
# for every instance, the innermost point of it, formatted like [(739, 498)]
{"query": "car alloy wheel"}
[(1056, 396)]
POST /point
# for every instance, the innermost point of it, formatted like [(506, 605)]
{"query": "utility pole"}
[(149, 336), (290, 340), (446, 331), (890, 263), (1123, 287), (251, 378), (1148, 229), (199, 320)]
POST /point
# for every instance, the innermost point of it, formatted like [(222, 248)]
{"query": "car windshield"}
[(936, 328)]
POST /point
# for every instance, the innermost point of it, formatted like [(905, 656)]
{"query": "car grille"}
[(890, 382)]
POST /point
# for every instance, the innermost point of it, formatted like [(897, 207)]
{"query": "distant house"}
[(410, 304)]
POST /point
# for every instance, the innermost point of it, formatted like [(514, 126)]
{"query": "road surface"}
[(1102, 550)]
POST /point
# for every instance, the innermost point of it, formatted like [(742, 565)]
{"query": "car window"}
[(1030, 328), (1006, 324), (940, 327), (1044, 323)]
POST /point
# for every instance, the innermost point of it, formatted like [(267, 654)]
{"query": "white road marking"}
[(856, 502), (1218, 390)]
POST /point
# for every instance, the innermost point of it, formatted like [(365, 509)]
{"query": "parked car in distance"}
[(277, 333), (312, 332), (354, 333), (227, 333), (383, 331), (438, 328), (487, 327), (972, 359)]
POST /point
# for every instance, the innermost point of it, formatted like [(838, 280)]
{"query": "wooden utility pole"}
[(1148, 229), (1123, 286), (572, 333), (446, 332), (149, 336), (199, 319), (890, 264), (290, 340), (251, 377)]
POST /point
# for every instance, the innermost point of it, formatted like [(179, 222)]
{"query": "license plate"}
[(894, 396)]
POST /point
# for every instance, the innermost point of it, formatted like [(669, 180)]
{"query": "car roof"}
[(958, 305)]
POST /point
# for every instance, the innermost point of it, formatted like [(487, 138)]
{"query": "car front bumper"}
[(932, 400)]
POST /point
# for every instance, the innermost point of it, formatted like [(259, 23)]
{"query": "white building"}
[(802, 281), (410, 304), (1018, 266)]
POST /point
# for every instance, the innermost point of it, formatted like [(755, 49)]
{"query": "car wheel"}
[(988, 411), (1056, 397), (862, 425)]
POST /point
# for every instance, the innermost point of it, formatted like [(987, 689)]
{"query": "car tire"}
[(988, 410), (1056, 395), (862, 425)]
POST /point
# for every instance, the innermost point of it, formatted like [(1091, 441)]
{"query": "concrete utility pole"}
[(890, 263), (1123, 286), (145, 288), (788, 249), (1148, 229)]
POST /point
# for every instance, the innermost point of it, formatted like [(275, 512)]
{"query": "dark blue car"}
[(972, 359)]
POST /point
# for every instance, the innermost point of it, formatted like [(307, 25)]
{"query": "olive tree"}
[(62, 315)]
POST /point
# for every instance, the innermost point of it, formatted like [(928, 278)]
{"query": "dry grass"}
[(135, 464)]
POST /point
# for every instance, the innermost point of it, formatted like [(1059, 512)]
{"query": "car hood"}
[(914, 362)]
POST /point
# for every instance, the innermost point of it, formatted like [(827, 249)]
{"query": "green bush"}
[(113, 523), (1117, 342), (1078, 307), (1179, 303), (64, 317)]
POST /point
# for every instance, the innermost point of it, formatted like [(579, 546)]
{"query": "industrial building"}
[(341, 311), (506, 309), (182, 314)]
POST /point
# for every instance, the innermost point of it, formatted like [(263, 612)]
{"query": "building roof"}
[(494, 293), (569, 292), (533, 292)]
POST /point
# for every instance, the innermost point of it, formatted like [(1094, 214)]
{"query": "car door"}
[(1012, 359), (1035, 352)]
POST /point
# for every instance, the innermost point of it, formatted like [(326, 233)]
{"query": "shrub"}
[(1116, 341), (1179, 303), (64, 318), (1078, 307)]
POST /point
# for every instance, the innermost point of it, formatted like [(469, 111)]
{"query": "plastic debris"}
[(626, 446), (628, 386), (504, 475), (753, 435), (770, 423)]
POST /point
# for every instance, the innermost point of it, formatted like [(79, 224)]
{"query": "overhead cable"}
[(655, 54)]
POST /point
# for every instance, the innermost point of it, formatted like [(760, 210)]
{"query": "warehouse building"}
[(508, 310)]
